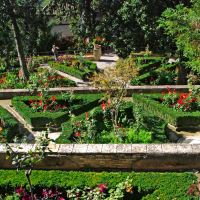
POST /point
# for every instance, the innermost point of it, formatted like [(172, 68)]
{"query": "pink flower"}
[(61, 198), (20, 190), (102, 188)]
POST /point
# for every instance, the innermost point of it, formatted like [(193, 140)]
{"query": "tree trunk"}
[(18, 42)]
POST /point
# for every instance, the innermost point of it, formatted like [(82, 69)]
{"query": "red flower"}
[(30, 101), (180, 101), (103, 106), (40, 102), (53, 98), (77, 134), (45, 107), (102, 188), (40, 94), (183, 95)]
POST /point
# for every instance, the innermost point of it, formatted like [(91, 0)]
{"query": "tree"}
[(128, 25), (21, 22), (183, 25), (114, 81), (10, 8)]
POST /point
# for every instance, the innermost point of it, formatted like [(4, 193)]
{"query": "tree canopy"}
[(183, 24)]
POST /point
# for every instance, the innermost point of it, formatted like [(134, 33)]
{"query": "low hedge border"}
[(39, 120), (180, 119), (148, 74), (10, 128), (165, 186), (75, 72)]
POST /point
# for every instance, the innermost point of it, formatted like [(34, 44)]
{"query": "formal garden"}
[(106, 107)]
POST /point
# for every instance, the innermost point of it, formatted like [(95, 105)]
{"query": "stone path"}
[(25, 128), (107, 60), (79, 82), (191, 136)]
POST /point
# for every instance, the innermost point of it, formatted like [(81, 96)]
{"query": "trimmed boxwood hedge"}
[(39, 119), (163, 186), (10, 125), (145, 76), (150, 103), (83, 73)]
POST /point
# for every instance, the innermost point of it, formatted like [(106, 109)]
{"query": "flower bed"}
[(96, 126), (80, 68), (53, 111), (8, 126), (151, 186), (11, 80), (177, 117)]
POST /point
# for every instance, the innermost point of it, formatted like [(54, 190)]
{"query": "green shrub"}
[(151, 103), (79, 70), (165, 186), (39, 120), (154, 70), (9, 126)]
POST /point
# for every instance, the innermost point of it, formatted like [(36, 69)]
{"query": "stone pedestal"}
[(97, 53)]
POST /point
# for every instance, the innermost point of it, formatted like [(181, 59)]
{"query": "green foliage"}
[(80, 68), (39, 120), (8, 126), (141, 136), (182, 24), (39, 79), (152, 104), (154, 71), (166, 186)]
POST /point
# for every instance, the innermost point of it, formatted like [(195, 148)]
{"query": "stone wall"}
[(129, 157), (10, 93)]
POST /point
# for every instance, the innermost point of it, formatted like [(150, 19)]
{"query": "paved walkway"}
[(107, 60), (79, 82)]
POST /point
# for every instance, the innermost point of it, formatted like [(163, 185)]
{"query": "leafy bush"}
[(166, 186), (8, 126)]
